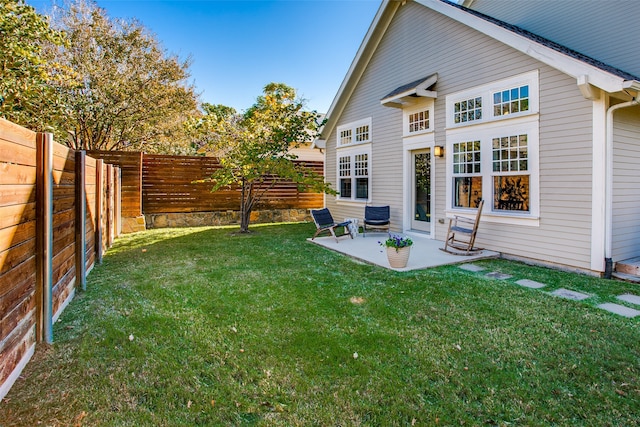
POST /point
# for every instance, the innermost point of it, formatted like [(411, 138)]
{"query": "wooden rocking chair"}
[(461, 235)]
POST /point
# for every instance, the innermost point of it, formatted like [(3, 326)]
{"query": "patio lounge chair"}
[(461, 235), (324, 222), (376, 217)]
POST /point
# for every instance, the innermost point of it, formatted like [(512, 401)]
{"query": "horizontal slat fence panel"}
[(130, 164), (168, 186), (17, 248), (63, 265), (39, 243)]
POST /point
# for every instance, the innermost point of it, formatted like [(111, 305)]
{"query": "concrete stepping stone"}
[(633, 299), (531, 284), (620, 309), (569, 294), (498, 275), (471, 267)]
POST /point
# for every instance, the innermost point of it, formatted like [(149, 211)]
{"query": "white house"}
[(444, 106)]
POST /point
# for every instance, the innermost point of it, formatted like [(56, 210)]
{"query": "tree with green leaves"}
[(130, 94), (28, 76), (254, 148)]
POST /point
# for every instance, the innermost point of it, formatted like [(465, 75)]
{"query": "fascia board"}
[(568, 65)]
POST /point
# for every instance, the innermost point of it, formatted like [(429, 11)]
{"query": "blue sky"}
[(237, 47)]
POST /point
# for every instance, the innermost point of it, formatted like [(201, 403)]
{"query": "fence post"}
[(44, 237), (81, 218), (109, 205), (99, 196), (118, 200)]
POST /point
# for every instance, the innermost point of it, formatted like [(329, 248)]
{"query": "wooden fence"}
[(59, 212), (160, 184), (168, 187)]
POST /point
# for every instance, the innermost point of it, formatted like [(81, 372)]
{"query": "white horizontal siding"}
[(420, 42)]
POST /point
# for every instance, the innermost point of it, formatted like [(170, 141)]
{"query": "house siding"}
[(626, 191), (549, 19), (420, 42)]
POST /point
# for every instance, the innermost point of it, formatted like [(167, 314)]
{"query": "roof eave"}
[(319, 143)]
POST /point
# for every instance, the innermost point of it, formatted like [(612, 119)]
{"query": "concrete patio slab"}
[(620, 309), (425, 252), (530, 284), (633, 299), (569, 294)]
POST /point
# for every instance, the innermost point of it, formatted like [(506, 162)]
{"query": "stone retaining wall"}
[(197, 219)]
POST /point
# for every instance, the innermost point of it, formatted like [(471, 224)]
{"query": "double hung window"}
[(467, 178), (354, 161)]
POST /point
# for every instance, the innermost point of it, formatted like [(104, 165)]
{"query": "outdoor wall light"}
[(438, 151)]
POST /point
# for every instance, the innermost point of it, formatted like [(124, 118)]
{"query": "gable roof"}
[(586, 70)]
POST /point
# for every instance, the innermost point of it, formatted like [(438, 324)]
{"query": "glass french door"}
[(421, 190)]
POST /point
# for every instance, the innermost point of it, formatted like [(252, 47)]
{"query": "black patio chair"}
[(376, 218), (324, 222)]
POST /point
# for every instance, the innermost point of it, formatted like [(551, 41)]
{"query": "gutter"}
[(608, 199)]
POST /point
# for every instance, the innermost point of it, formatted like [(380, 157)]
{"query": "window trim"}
[(428, 105), (486, 93), (353, 126), (352, 152), (528, 125)]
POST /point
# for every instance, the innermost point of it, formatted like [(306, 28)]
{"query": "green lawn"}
[(205, 327)]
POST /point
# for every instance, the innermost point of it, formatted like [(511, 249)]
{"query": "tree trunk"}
[(246, 206)]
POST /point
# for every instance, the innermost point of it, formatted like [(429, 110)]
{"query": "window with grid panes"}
[(467, 179), (344, 171), (511, 101), (362, 133), (345, 137), (361, 174), (511, 173), (468, 110), (419, 121)]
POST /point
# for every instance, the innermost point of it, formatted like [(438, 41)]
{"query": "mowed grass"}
[(183, 327)]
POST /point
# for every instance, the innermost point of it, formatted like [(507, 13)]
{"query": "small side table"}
[(353, 226)]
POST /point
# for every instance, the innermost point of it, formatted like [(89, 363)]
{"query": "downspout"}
[(608, 197)]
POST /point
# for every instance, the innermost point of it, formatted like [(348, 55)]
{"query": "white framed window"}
[(354, 173), (467, 174), (355, 133), (511, 101), (497, 162), (418, 119), (505, 99), (468, 110)]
